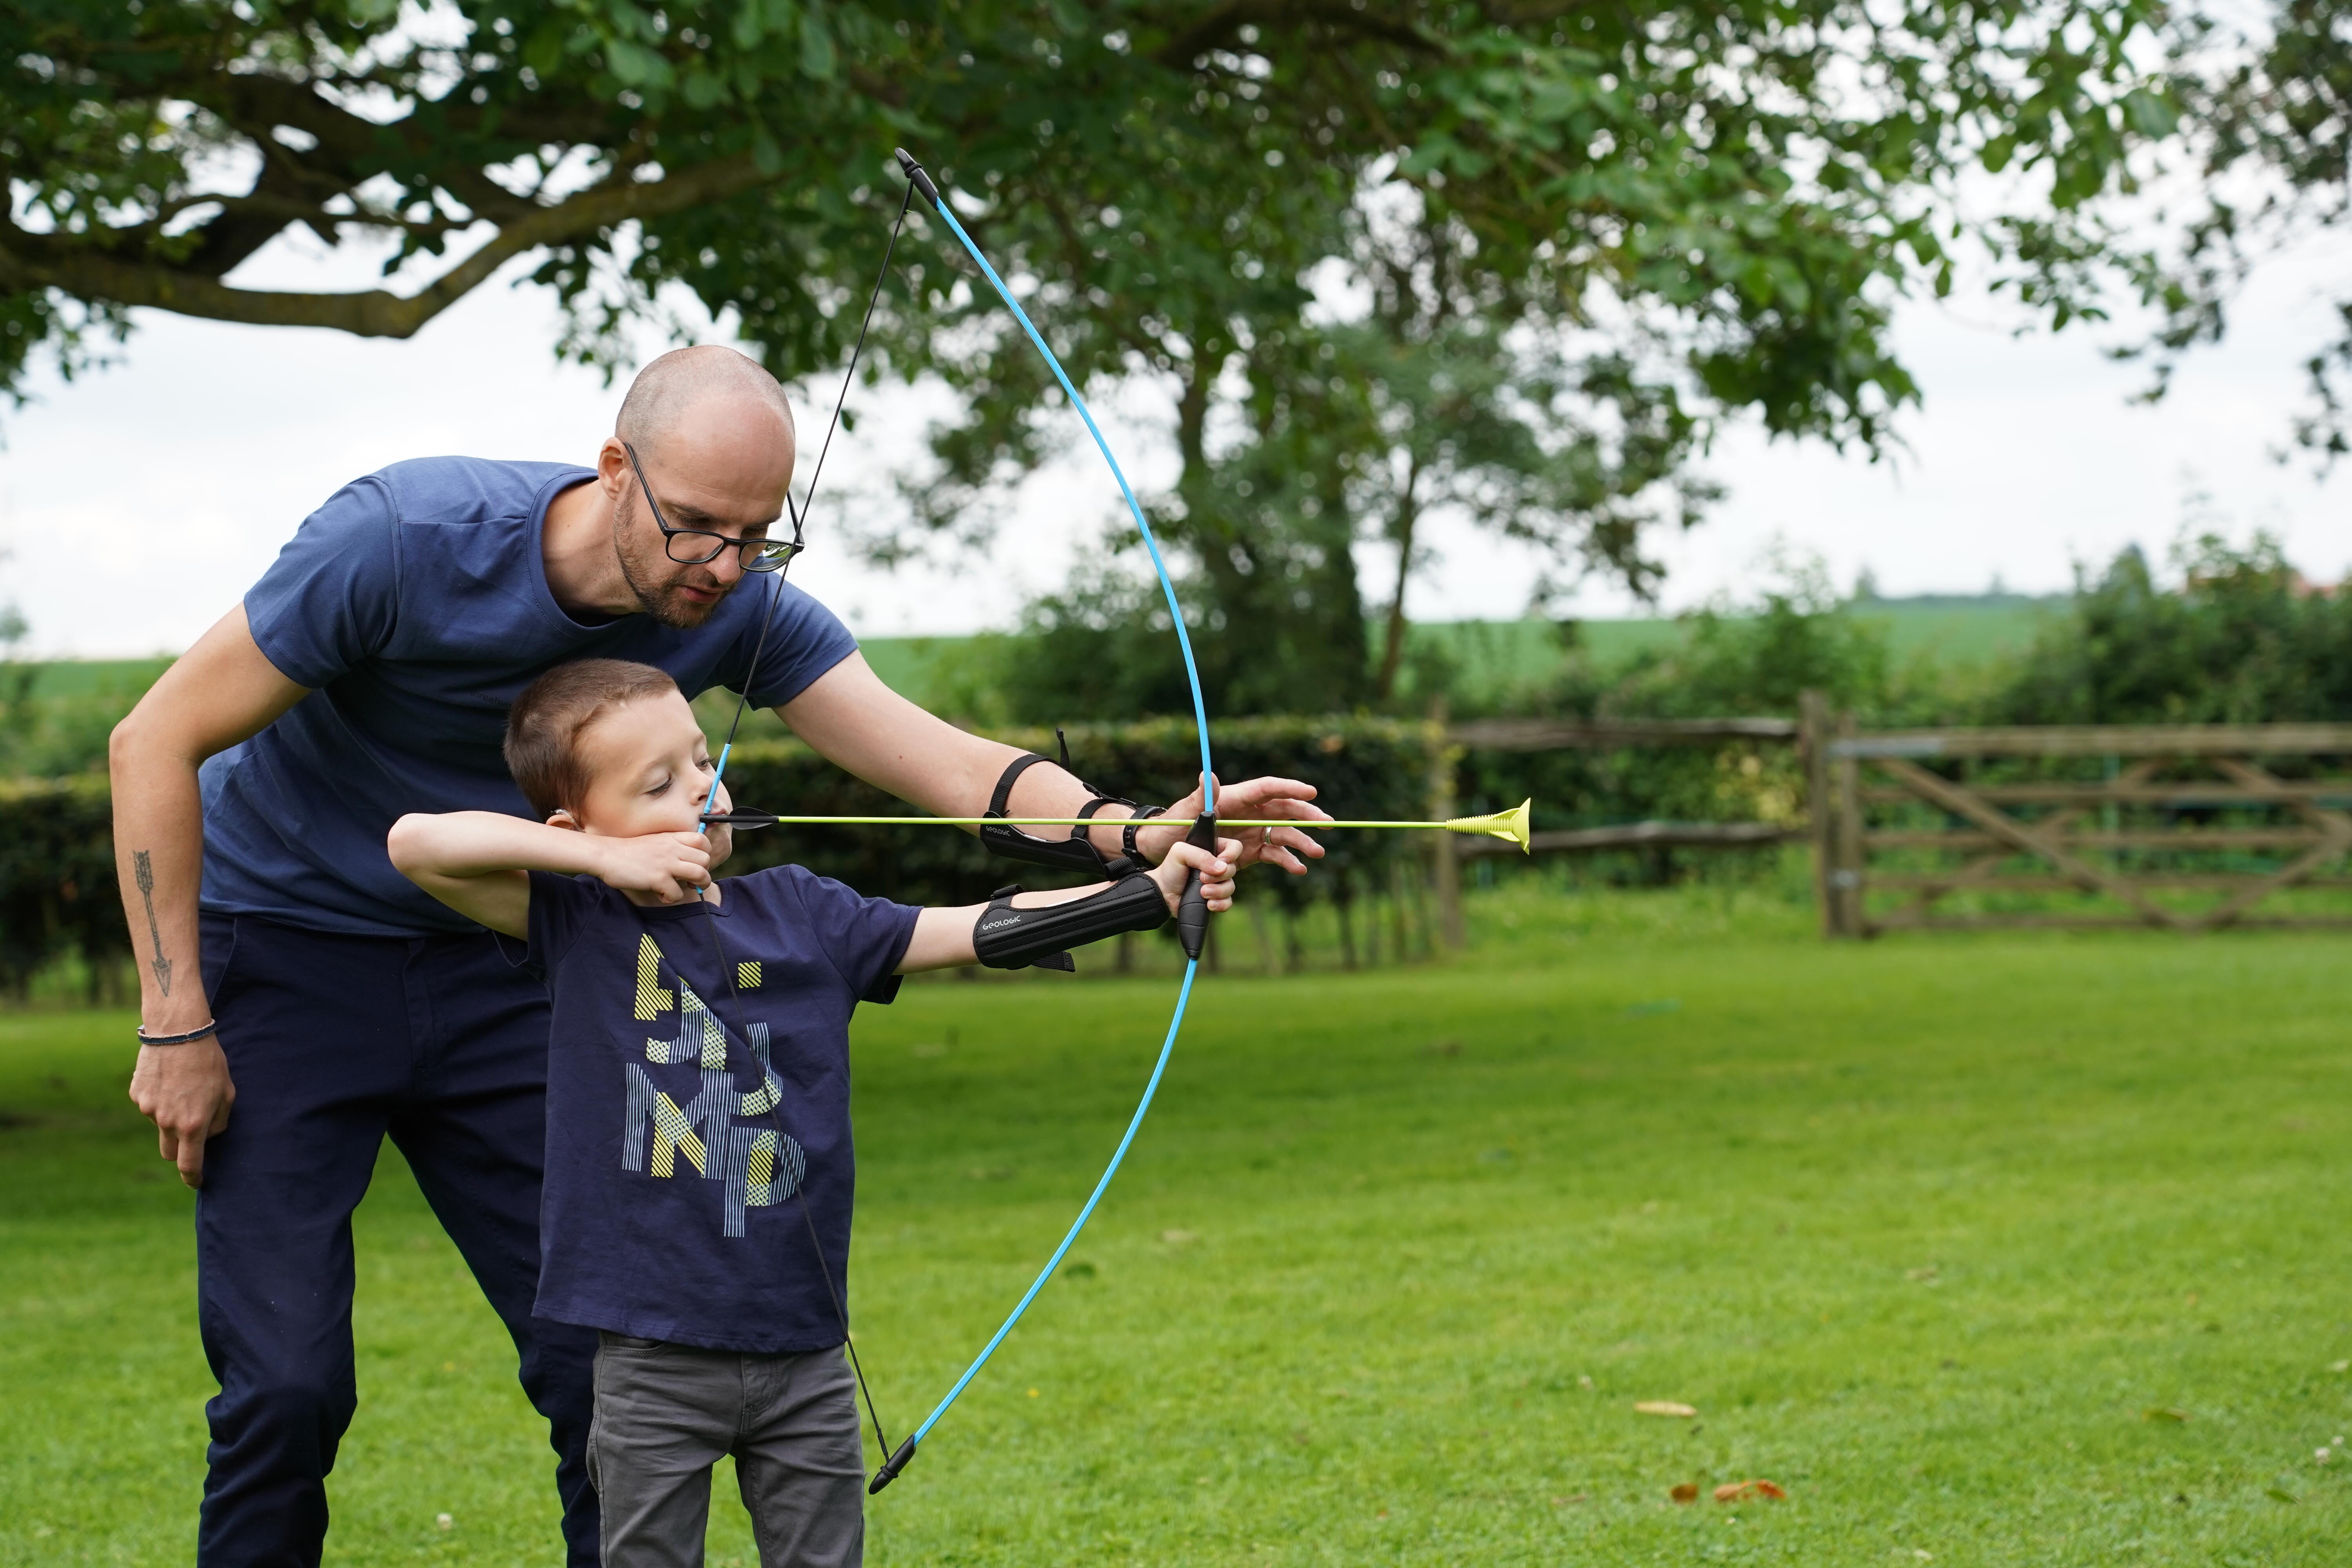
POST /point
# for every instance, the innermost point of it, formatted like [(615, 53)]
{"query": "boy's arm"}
[(478, 862), (943, 937)]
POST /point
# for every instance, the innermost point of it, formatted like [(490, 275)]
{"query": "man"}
[(301, 999)]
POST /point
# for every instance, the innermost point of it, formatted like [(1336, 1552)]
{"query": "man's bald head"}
[(709, 381), (713, 437)]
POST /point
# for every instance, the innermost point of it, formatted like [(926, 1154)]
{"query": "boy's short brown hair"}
[(542, 744)]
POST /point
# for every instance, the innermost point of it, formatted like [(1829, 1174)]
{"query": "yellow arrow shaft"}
[(1078, 821)]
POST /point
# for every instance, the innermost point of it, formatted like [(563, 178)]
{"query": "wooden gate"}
[(2187, 826)]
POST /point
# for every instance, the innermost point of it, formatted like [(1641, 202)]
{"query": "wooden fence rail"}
[(2187, 826), (2240, 813)]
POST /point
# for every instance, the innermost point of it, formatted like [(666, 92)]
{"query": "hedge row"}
[(58, 896), (58, 902)]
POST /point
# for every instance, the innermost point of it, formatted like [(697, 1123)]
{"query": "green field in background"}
[(1990, 1251), (1493, 655), (79, 677)]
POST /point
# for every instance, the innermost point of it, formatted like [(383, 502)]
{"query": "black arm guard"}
[(1074, 852), (1007, 938)]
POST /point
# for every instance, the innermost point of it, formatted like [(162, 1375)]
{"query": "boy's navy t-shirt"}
[(415, 603), (681, 1137)]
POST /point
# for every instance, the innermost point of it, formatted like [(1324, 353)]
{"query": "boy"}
[(699, 1174)]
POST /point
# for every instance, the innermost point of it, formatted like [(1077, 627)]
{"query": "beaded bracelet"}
[(147, 1039)]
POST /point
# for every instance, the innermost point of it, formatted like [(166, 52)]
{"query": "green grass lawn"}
[(1991, 1250)]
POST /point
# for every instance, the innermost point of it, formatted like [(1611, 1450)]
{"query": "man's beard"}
[(654, 578)]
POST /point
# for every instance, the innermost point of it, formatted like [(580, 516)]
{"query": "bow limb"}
[(1193, 911)]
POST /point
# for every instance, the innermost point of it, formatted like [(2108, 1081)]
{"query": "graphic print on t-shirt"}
[(755, 1167)]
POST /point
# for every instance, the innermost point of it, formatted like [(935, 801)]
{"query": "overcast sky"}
[(137, 504)]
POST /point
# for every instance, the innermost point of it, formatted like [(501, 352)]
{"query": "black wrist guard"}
[(1133, 862), (1007, 938), (1074, 852)]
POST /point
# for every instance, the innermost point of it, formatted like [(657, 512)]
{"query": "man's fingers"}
[(191, 1159), (1295, 839), (1279, 797), (167, 1147)]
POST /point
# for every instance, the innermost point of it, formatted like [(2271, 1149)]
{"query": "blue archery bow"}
[(1192, 917)]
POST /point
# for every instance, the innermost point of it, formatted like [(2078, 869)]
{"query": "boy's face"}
[(648, 770)]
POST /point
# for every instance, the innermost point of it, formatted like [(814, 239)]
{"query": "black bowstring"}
[(800, 513), (743, 699)]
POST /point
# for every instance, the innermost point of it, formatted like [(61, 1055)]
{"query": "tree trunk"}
[(1408, 515)]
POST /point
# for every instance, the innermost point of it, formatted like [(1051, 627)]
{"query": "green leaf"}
[(750, 24), (817, 47), (631, 65), (2149, 114), (543, 50)]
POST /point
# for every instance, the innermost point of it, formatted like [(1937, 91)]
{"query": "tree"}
[(2234, 639), (1725, 197), (2271, 128)]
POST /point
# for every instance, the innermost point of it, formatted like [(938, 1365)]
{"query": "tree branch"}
[(34, 261)]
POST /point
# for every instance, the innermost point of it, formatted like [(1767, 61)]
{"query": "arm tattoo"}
[(143, 869)]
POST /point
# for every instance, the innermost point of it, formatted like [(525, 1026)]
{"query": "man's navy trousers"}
[(334, 1042)]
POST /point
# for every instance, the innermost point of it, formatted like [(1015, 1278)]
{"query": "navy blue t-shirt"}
[(415, 603), (688, 1119)]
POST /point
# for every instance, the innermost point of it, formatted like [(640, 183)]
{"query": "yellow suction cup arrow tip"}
[(1511, 825)]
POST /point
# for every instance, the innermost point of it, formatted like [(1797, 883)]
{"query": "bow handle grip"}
[(1193, 909)]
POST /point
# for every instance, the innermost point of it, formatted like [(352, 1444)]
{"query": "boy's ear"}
[(561, 818)]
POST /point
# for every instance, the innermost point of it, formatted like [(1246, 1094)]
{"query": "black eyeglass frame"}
[(777, 555)]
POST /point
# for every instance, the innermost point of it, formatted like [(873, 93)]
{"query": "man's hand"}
[(1216, 873), (186, 1092), (668, 868), (1267, 797)]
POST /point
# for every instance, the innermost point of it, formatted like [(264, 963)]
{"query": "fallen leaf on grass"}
[(2163, 1413), (1687, 1492), (1664, 1407), (2282, 1494), (1733, 1492)]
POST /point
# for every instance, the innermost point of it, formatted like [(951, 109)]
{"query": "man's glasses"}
[(695, 546)]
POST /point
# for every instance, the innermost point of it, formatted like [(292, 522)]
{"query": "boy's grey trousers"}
[(666, 1413)]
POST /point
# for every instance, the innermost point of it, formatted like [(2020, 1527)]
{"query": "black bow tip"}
[(891, 1468), (921, 181)]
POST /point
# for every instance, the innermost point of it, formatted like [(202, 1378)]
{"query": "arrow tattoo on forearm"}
[(142, 870)]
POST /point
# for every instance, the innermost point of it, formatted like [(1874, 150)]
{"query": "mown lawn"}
[(2000, 1251)]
